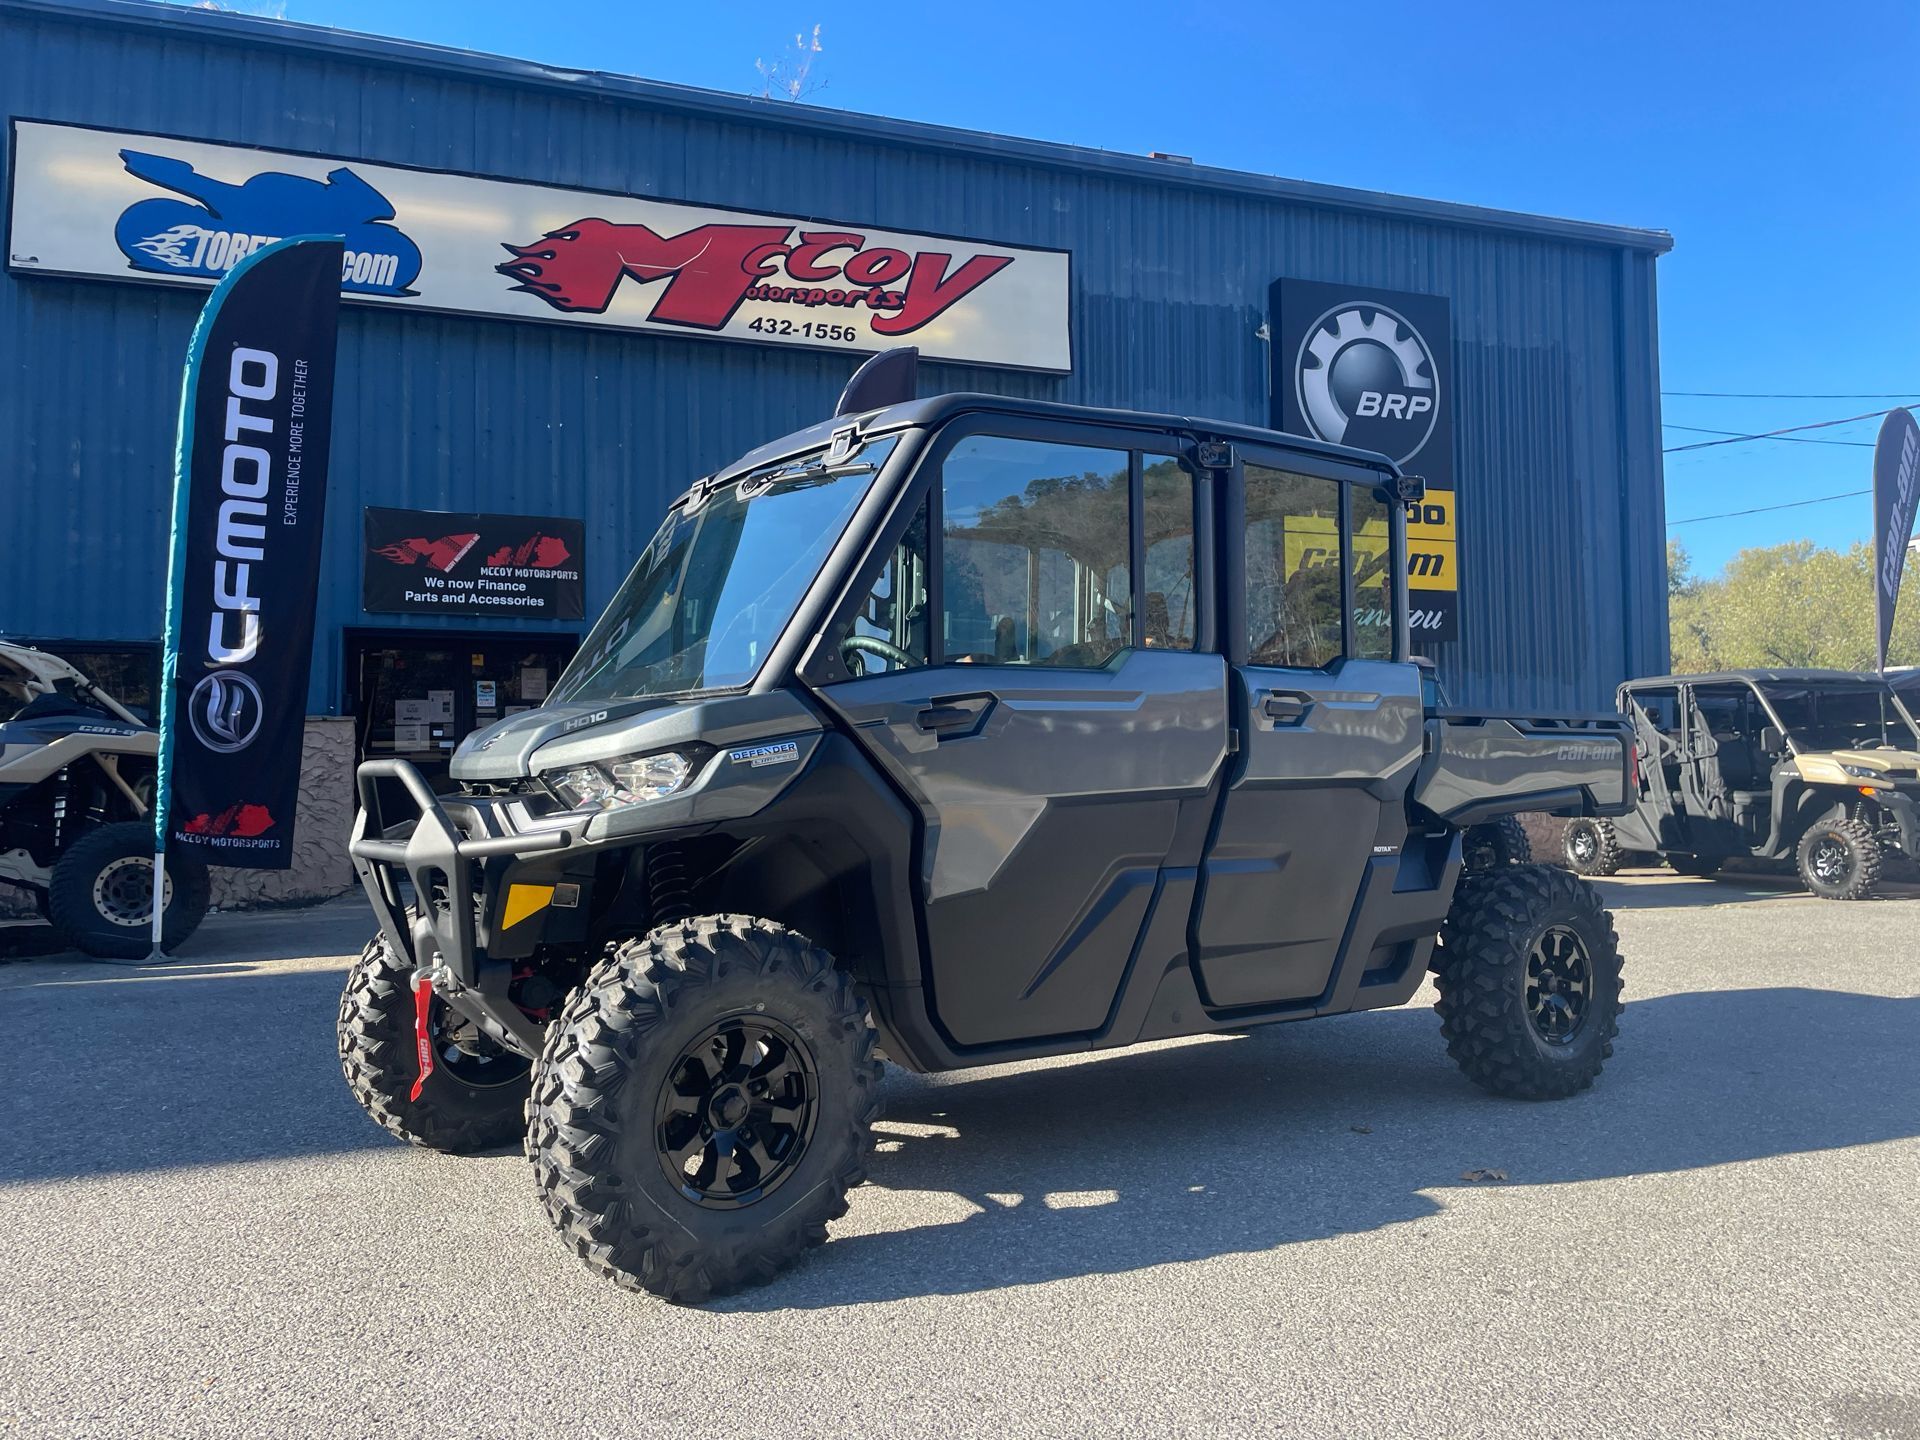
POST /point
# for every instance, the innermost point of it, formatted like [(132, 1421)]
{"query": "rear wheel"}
[(1698, 866), (702, 1106), (475, 1098), (1591, 847), (1840, 860), (1528, 970), (1496, 844), (100, 895)]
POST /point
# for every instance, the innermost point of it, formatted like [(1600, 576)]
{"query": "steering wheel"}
[(873, 645)]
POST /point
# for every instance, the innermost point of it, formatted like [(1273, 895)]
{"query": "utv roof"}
[(1763, 677), (931, 410)]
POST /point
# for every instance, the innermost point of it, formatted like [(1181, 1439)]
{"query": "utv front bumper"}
[(455, 854)]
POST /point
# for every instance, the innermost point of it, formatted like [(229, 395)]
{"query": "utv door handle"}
[(953, 717), (1286, 706)]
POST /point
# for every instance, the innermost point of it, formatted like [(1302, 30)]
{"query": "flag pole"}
[(176, 572)]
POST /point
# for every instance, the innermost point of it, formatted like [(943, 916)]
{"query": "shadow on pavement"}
[(1234, 1147), (1098, 1166), (1662, 891)]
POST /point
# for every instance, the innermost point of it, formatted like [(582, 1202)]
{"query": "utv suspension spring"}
[(669, 898)]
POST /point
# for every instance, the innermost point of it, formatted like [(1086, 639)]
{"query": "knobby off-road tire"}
[(99, 897), (1857, 853), (468, 1103), (1591, 847), (1496, 844), (666, 1035), (1698, 866), (1528, 970)]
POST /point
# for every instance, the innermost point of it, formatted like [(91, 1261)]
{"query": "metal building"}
[(1076, 275)]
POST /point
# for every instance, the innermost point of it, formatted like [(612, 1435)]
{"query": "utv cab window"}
[(889, 632), (1167, 595), (715, 588), (1293, 569), (1840, 717), (1035, 568), (1371, 547)]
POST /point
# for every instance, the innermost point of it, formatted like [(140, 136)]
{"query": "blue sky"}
[(1779, 143)]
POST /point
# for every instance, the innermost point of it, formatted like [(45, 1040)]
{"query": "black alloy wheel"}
[(1559, 985), (1583, 847), (736, 1111)]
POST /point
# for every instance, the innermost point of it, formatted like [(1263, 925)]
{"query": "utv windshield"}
[(1840, 717), (713, 590)]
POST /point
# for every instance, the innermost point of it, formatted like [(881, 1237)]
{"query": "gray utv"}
[(956, 731)]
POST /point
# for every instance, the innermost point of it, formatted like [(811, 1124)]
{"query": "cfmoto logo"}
[(225, 710), (1365, 377)]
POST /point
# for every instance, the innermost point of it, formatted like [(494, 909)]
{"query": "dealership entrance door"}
[(415, 695)]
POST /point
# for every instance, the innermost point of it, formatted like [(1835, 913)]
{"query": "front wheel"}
[(1528, 971), (702, 1106), (474, 1098), (1840, 860), (100, 895)]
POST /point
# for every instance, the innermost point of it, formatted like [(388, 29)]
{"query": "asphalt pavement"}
[(1259, 1235)]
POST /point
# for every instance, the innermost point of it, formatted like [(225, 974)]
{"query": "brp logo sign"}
[(225, 710), (1365, 377)]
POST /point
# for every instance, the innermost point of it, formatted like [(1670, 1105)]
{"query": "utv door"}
[(1330, 731), (1718, 765), (1050, 715), (1658, 820)]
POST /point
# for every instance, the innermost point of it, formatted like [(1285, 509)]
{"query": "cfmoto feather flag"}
[(250, 492), (1896, 490)]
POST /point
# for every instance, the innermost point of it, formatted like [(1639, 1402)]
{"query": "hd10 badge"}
[(1374, 369)]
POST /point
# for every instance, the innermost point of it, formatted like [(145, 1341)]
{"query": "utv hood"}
[(555, 736), (1894, 764)]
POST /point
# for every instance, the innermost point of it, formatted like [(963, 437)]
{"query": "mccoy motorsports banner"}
[(136, 207)]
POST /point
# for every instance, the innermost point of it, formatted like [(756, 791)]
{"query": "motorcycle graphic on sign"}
[(219, 224)]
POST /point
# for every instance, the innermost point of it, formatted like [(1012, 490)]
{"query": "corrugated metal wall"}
[(1562, 524)]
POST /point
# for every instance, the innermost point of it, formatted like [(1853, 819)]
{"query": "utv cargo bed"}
[(1478, 766)]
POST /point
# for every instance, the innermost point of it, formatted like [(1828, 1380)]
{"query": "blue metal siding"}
[(1557, 408)]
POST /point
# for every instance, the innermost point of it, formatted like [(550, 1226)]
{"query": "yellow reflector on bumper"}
[(525, 900)]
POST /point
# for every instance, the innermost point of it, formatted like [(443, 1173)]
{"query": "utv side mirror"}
[(1771, 740)]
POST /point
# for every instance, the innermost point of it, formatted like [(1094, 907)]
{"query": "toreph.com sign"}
[(141, 207)]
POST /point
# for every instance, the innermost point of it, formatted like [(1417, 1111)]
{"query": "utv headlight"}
[(1861, 772), (629, 780)]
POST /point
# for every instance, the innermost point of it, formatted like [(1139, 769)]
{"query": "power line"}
[(1768, 395), (1769, 434), (1783, 439), (1762, 509)]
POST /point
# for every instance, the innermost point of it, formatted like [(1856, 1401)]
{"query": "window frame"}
[(1233, 586)]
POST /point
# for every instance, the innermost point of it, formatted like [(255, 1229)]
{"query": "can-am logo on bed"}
[(120, 206), (210, 225)]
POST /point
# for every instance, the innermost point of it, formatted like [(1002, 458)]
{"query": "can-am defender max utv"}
[(959, 730), (76, 797), (1820, 767)]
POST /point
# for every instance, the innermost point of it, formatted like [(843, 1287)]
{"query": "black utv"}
[(1821, 767), (959, 731)]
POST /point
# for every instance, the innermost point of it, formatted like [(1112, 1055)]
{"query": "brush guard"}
[(438, 860)]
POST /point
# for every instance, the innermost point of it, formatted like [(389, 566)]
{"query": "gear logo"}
[(1365, 377), (225, 711)]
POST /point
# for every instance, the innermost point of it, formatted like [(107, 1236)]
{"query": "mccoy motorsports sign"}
[(119, 206)]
